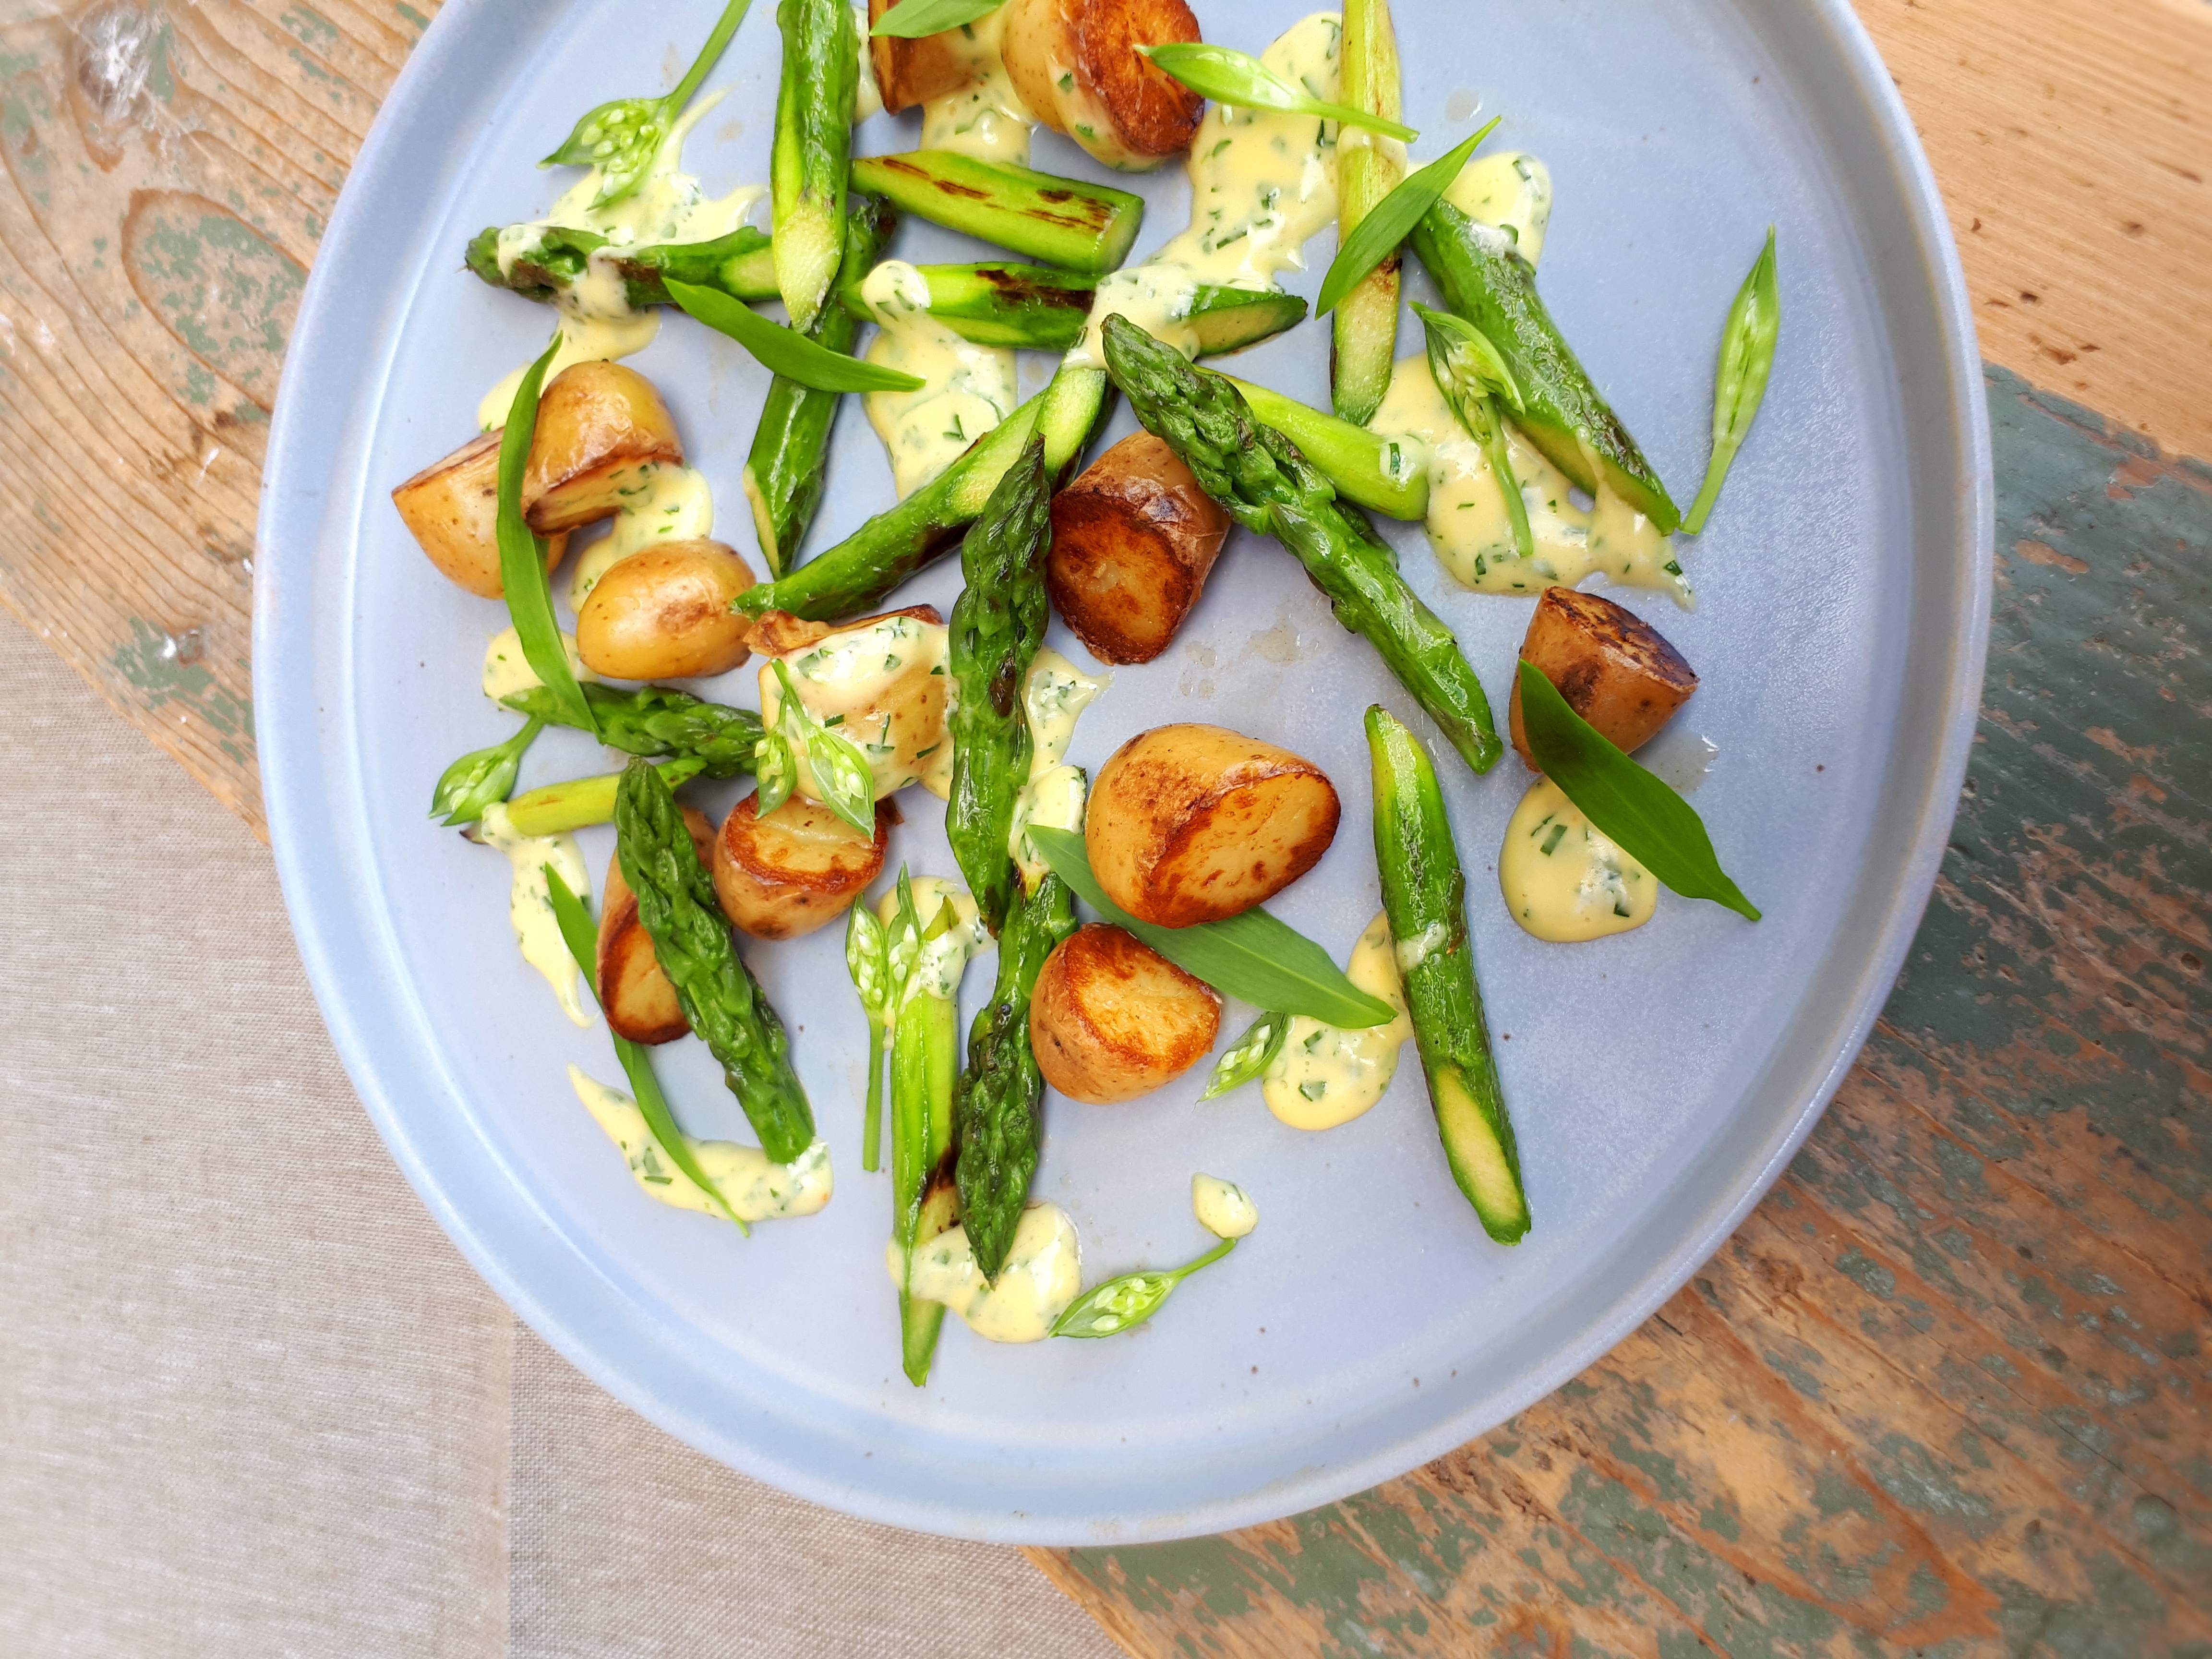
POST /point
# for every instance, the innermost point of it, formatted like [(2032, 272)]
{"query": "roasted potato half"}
[(664, 614), (882, 678), (910, 72), (1192, 824), (1133, 540), (597, 422), (639, 1002), (452, 509), (1075, 65), (1613, 668), (798, 868), (1112, 1018)]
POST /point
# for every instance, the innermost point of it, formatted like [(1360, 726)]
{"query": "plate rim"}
[(291, 760)]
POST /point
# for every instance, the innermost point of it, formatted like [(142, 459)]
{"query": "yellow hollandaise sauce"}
[(1260, 184), (986, 118), (1054, 696), (942, 960), (1511, 190), (967, 389), (530, 901), (1563, 879), (883, 688), (661, 503), (1222, 1207), (756, 1189), (1043, 1274), (507, 670), (1326, 1075)]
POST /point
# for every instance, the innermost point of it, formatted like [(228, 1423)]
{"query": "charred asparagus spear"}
[(807, 162), (654, 720), (1263, 481), (785, 472), (1369, 168), (998, 624), (553, 260), (1063, 221), (1425, 895), (691, 942)]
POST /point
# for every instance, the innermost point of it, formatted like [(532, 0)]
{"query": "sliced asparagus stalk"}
[(807, 162), (1425, 895), (1379, 473), (1037, 308), (1063, 221), (740, 264), (1368, 168)]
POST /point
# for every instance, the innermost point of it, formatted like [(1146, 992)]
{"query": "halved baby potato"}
[(597, 424), (1613, 668), (910, 72), (1133, 541), (1192, 824), (639, 1002), (664, 614), (797, 869), (452, 508), (1112, 1018), (881, 680), (1074, 63)]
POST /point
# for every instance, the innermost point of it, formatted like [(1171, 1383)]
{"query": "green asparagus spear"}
[(1425, 895), (691, 942), (925, 1057), (1381, 474), (1367, 169), (807, 165), (740, 264), (784, 474), (1063, 221), (1265, 484), (999, 1112), (1032, 306), (998, 624), (1486, 280), (893, 546), (654, 720), (556, 809)]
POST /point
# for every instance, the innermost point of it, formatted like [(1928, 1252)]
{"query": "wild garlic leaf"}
[(1249, 1056), (1128, 1301), (785, 351), (910, 19), (523, 578), (1236, 78), (1391, 221), (1747, 341)]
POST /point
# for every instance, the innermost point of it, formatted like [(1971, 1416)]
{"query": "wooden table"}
[(1944, 1393)]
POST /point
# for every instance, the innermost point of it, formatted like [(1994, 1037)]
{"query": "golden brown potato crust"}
[(799, 868), (780, 633), (1113, 1019), (595, 421), (1613, 668), (1133, 541), (1154, 114), (910, 72), (664, 614), (452, 509), (639, 1002), (1192, 824)]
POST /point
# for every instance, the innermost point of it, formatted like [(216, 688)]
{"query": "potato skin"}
[(1192, 824), (595, 421), (1151, 115), (1613, 668), (797, 870), (664, 614), (910, 72), (1112, 1018), (452, 509), (1133, 541), (639, 1002)]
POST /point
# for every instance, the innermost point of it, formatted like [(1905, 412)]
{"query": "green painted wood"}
[(1945, 1394)]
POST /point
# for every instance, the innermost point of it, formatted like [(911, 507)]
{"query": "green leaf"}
[(1252, 957), (903, 940), (1233, 77), (582, 939), (777, 768), (912, 18), (1124, 1303), (865, 958), (1653, 824), (1249, 1056), (1754, 322), (785, 351), (482, 779), (621, 136), (842, 774), (1473, 375), (1391, 221), (522, 573)]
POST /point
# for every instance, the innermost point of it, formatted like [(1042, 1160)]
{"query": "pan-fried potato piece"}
[(639, 1002), (452, 508), (1112, 1018), (798, 868), (597, 422), (1192, 824), (883, 679), (910, 72), (664, 614), (1613, 668), (1132, 542), (1074, 63)]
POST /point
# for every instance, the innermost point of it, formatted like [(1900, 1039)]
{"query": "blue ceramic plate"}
[(1659, 1081)]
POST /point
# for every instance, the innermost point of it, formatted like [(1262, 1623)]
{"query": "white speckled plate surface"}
[(1658, 1081)]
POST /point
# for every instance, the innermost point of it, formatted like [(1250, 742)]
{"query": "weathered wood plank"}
[(1945, 1392)]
